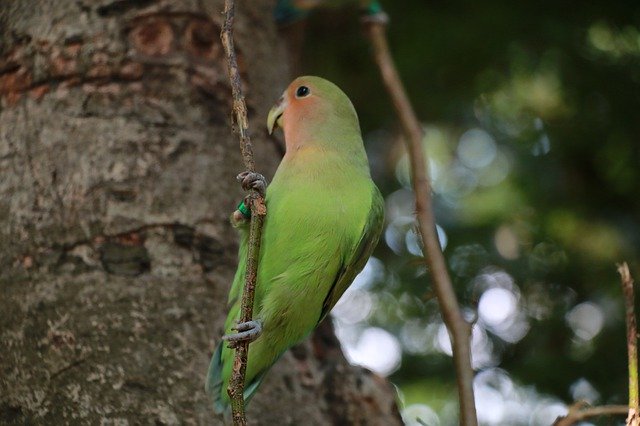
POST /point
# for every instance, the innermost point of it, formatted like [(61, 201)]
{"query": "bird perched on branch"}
[(324, 218)]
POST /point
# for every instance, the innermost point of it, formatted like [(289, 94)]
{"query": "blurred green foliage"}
[(532, 118)]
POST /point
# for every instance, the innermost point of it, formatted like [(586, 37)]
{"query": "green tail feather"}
[(215, 382), (213, 386)]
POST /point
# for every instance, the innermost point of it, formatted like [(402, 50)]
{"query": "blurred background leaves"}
[(532, 117)]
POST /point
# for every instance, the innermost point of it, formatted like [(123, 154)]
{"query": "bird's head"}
[(313, 110)]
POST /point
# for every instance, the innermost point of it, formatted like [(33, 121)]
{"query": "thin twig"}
[(258, 212), (459, 329), (578, 413), (632, 344)]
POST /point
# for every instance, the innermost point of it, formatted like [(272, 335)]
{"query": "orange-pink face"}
[(299, 111)]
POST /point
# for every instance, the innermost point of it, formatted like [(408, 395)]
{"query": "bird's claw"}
[(253, 180), (247, 332)]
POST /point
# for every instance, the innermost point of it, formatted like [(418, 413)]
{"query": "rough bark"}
[(117, 174)]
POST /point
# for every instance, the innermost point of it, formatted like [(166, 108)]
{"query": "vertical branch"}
[(459, 329), (239, 106), (632, 344), (258, 212), (578, 412)]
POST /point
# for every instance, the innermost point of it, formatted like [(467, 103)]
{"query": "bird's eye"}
[(302, 91)]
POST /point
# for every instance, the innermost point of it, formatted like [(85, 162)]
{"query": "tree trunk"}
[(117, 174)]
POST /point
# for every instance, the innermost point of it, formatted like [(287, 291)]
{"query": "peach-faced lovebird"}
[(324, 217)]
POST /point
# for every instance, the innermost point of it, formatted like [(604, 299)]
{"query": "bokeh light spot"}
[(476, 148), (547, 411), (443, 343), (506, 242), (496, 172), (496, 306), (375, 349), (582, 390), (586, 320), (372, 272), (354, 306), (420, 415), (395, 234)]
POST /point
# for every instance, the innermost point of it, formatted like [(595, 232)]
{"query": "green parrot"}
[(325, 216)]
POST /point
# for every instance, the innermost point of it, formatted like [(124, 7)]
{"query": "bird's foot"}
[(246, 332), (242, 214), (253, 180)]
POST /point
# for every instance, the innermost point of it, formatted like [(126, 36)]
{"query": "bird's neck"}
[(317, 160), (324, 145)]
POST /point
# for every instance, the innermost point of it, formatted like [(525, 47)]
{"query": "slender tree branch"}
[(578, 413), (632, 344), (258, 212), (459, 329)]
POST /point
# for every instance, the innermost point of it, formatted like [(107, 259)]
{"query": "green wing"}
[(360, 253)]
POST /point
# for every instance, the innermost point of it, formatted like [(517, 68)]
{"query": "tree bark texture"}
[(117, 169)]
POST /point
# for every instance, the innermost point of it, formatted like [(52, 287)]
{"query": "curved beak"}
[(274, 119)]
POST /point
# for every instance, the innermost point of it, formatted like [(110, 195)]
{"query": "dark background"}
[(532, 117)]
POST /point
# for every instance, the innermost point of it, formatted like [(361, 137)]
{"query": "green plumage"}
[(324, 218)]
